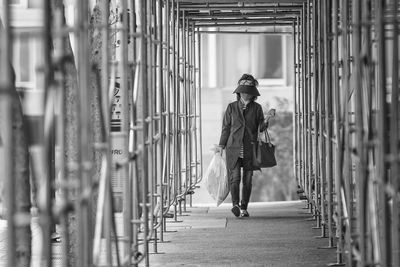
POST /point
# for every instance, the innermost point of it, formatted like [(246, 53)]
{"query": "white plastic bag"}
[(216, 179)]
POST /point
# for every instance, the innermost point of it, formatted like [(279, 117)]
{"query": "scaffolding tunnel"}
[(121, 138)]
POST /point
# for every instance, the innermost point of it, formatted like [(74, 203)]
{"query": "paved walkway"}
[(276, 234)]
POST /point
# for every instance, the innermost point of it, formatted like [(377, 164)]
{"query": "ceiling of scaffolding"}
[(245, 16)]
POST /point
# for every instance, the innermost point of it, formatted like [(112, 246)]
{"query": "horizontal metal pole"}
[(258, 7), (243, 21), (244, 18), (215, 24), (293, 13), (246, 1), (244, 32)]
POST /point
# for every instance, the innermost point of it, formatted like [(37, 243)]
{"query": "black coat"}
[(238, 129)]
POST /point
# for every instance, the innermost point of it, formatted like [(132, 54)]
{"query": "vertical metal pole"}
[(198, 112), (183, 116), (150, 119), (337, 130), (361, 166), (316, 112), (321, 121), (144, 88), (328, 117), (46, 211), (178, 125), (187, 108), (309, 142), (105, 69), (154, 137), (175, 77), (305, 102), (161, 107), (188, 114), (369, 116), (295, 96), (193, 126), (122, 58), (173, 119), (134, 124), (304, 98), (157, 134), (300, 93), (187, 105), (59, 51), (295, 117), (192, 113), (83, 174), (308, 107), (299, 100), (156, 118), (168, 83), (347, 186), (382, 173), (6, 101), (170, 66), (394, 137)]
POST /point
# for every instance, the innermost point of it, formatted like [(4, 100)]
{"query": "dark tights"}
[(235, 184)]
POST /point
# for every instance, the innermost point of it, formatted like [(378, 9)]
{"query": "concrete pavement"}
[(275, 234)]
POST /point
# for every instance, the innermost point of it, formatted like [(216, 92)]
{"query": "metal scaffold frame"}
[(346, 120), (138, 63), (123, 109)]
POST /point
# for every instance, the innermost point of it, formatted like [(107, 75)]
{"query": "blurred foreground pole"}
[(21, 183), (16, 164), (47, 182), (6, 111)]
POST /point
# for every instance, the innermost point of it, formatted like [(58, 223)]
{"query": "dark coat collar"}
[(240, 105)]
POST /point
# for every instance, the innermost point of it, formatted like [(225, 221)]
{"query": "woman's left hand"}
[(270, 114)]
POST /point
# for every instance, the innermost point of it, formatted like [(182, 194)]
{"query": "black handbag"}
[(264, 152)]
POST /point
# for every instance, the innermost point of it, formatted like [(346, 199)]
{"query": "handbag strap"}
[(266, 134)]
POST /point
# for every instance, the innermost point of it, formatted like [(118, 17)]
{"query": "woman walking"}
[(242, 120)]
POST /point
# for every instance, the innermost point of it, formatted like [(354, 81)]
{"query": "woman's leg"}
[(235, 182), (246, 190)]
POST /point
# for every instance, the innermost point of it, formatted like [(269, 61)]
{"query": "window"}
[(26, 57), (270, 51), (25, 62), (269, 67), (19, 3)]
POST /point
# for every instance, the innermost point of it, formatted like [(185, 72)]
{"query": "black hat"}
[(247, 87)]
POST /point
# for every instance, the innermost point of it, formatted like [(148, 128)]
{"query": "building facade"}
[(225, 57)]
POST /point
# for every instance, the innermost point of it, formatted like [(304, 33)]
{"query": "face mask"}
[(244, 100)]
